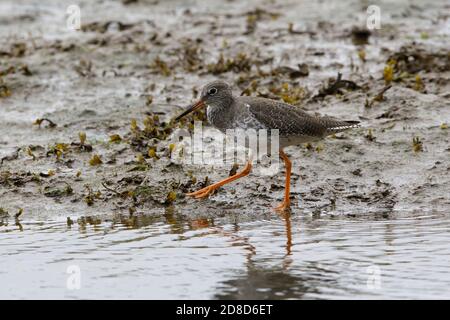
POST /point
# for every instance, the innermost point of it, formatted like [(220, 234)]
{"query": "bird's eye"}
[(212, 91)]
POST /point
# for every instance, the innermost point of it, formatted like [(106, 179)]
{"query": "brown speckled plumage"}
[(295, 126)]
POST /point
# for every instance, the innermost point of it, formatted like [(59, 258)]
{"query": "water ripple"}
[(402, 255)]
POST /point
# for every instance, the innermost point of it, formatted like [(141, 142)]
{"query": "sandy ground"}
[(145, 60)]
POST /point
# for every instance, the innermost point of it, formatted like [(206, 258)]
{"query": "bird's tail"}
[(335, 126)]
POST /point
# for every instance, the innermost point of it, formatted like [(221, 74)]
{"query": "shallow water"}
[(198, 250), (390, 255)]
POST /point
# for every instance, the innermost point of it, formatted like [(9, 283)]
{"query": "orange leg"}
[(285, 205), (209, 189)]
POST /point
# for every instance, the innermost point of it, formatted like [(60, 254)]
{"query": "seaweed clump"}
[(190, 56), (417, 144), (146, 138), (61, 149), (5, 91), (407, 64), (360, 36), (289, 94), (160, 66), (240, 63), (336, 86), (413, 60), (257, 15)]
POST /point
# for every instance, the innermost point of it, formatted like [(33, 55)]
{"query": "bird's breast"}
[(219, 118), (212, 114)]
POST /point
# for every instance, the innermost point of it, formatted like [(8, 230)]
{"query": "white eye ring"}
[(212, 91)]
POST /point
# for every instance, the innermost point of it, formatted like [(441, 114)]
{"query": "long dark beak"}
[(193, 107)]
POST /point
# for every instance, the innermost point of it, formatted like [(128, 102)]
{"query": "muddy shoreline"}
[(121, 78)]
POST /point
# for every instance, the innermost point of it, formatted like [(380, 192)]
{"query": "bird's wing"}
[(289, 120), (292, 121)]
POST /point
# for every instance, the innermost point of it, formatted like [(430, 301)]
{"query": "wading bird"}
[(225, 111)]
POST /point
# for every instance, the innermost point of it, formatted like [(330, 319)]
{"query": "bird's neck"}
[(220, 116)]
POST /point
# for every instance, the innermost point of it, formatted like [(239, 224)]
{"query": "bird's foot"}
[(202, 193), (285, 206)]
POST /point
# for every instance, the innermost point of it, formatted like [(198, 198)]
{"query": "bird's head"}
[(215, 94)]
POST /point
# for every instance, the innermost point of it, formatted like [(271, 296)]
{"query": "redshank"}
[(225, 111)]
